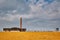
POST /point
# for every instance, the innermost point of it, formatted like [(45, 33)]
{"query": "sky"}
[(40, 15)]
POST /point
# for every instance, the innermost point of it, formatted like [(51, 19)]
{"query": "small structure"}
[(57, 29), (15, 28)]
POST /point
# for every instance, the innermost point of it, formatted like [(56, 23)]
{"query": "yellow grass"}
[(29, 35)]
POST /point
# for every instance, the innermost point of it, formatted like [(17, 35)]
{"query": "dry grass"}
[(29, 35)]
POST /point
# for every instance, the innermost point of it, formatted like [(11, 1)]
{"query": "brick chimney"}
[(21, 23)]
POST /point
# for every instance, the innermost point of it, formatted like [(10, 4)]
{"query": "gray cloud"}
[(40, 15)]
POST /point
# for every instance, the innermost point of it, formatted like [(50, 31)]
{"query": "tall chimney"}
[(21, 23)]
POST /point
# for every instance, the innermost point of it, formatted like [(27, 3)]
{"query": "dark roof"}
[(14, 28)]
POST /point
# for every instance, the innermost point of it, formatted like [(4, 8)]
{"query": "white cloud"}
[(2, 1), (44, 12), (10, 17), (48, 12)]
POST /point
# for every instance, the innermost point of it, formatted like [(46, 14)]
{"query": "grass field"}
[(29, 35)]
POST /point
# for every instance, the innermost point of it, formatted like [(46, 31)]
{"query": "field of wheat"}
[(29, 35)]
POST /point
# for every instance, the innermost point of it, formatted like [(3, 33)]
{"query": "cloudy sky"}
[(37, 14)]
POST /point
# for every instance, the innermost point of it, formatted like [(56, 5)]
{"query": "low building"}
[(15, 28)]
